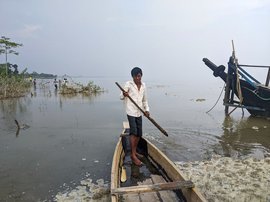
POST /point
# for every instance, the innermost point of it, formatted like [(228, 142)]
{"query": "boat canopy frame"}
[(234, 70)]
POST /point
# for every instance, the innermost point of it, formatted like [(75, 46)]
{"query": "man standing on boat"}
[(136, 89)]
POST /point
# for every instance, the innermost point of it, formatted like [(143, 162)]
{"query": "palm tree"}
[(6, 48)]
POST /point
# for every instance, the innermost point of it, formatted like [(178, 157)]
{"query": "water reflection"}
[(247, 136), (44, 94), (79, 95), (20, 127), (63, 139), (12, 109)]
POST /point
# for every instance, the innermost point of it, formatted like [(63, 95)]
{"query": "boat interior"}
[(149, 173)]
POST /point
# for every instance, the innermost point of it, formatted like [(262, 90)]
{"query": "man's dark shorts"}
[(135, 124)]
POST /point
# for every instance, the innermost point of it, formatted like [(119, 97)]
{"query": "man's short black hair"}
[(135, 71)]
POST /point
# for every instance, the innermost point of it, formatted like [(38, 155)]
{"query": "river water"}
[(71, 139)]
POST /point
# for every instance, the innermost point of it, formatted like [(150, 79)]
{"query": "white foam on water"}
[(228, 179), (86, 191), (218, 179)]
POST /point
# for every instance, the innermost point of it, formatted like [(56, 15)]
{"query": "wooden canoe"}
[(158, 179)]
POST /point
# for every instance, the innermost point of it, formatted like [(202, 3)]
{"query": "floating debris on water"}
[(161, 86), (228, 179), (21, 126), (255, 128), (200, 100), (86, 191), (83, 159)]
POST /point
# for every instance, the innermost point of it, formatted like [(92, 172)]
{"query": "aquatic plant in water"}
[(14, 86), (75, 88)]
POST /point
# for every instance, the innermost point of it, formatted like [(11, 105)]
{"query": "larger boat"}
[(158, 179), (252, 95)]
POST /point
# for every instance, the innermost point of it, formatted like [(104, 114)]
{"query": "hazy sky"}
[(165, 38)]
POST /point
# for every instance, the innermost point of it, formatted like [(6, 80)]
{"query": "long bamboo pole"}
[(150, 119)]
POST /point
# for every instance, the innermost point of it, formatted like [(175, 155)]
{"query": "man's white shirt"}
[(139, 96)]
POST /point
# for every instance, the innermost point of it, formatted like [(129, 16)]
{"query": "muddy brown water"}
[(71, 138)]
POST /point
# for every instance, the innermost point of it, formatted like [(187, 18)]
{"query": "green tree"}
[(6, 47)]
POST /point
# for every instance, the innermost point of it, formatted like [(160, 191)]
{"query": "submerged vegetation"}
[(14, 86), (75, 88)]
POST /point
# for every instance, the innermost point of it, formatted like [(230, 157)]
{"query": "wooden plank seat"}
[(165, 195), (153, 187)]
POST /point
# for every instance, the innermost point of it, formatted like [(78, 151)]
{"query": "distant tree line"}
[(12, 70), (41, 75), (7, 69)]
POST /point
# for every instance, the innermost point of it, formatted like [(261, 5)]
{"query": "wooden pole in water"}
[(226, 100), (227, 88), (150, 119), (226, 96)]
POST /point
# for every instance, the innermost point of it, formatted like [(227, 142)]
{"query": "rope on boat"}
[(217, 99), (265, 99)]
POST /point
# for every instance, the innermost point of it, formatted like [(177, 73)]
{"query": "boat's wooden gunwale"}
[(115, 171), (173, 172)]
